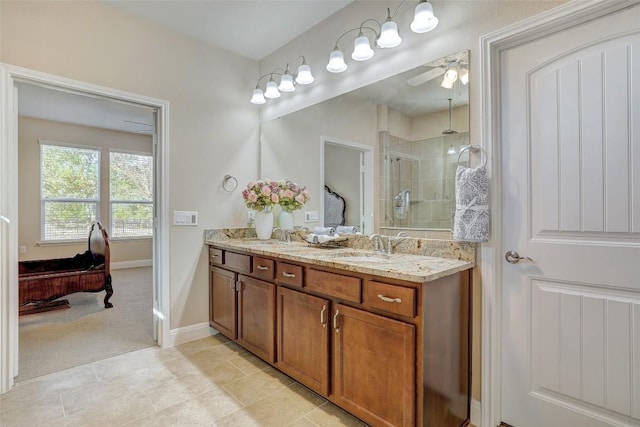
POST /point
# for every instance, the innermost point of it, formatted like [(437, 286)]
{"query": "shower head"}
[(449, 131)]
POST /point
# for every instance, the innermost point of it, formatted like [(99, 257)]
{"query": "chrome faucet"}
[(378, 242), (392, 241), (285, 235)]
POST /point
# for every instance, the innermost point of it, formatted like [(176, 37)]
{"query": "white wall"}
[(213, 130), (293, 143)]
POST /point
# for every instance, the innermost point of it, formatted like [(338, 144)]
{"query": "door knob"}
[(514, 257)]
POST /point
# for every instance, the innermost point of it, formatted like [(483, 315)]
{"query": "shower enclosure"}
[(419, 181)]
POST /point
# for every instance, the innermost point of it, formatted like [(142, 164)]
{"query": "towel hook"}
[(474, 149), (229, 183)]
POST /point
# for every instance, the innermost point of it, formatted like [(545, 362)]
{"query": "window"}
[(131, 194), (69, 191)]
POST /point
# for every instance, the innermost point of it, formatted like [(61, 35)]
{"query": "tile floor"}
[(208, 382)]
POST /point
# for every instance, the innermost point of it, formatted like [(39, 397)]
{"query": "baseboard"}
[(189, 333), (476, 413), (131, 264)]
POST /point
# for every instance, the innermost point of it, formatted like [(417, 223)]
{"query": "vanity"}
[(386, 337)]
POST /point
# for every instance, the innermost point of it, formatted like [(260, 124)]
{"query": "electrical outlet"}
[(23, 249), (311, 216)]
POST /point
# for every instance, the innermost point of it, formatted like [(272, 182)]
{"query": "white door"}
[(571, 202)]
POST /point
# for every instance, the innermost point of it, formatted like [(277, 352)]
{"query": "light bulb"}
[(362, 49), (464, 76), (272, 90), (424, 20), (286, 83), (258, 97), (389, 36), (336, 62), (451, 150), (304, 76), (451, 74), (447, 84)]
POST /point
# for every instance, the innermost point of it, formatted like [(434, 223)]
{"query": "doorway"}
[(347, 170), (9, 245)]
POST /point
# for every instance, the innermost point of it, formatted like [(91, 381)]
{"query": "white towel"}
[(327, 231), (320, 238), (471, 220), (347, 229)]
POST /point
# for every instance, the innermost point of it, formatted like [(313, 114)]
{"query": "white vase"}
[(264, 224), (285, 219)]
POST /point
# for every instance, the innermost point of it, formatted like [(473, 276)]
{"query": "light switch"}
[(311, 216), (185, 218)]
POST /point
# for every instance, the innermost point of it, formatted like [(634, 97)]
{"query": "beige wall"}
[(213, 129), (31, 130)]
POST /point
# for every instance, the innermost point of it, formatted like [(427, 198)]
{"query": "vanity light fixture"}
[(424, 20), (287, 82), (388, 36)]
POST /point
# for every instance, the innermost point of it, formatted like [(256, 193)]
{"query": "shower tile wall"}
[(430, 177)]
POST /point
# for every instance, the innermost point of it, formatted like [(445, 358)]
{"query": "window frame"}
[(113, 235), (97, 201)]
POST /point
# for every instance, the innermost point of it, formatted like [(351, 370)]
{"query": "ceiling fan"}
[(457, 62)]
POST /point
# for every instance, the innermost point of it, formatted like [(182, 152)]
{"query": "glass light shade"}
[(304, 76), (258, 97), (286, 83), (464, 76), (424, 20), (447, 84), (451, 74), (451, 150), (389, 36), (272, 90), (362, 49), (336, 62)]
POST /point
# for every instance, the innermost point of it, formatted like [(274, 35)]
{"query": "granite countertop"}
[(402, 266)]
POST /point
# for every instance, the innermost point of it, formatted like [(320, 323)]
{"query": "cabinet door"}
[(303, 338), (256, 317), (222, 301), (374, 367)]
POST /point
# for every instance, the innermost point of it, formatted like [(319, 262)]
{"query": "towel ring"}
[(474, 149), (229, 183)]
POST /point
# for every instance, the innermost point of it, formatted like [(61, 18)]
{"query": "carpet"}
[(57, 340)]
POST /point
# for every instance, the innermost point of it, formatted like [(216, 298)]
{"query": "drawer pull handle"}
[(323, 322), (335, 321), (262, 267), (290, 275), (387, 299)]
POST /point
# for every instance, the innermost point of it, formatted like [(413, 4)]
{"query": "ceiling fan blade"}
[(421, 79)]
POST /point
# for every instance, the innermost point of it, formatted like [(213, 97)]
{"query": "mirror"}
[(414, 125)]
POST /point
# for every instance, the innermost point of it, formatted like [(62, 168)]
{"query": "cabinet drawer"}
[(391, 298), (290, 274), (238, 262), (216, 256), (264, 268), (335, 285)]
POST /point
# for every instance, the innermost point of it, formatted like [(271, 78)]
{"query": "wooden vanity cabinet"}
[(303, 338), (242, 307), (222, 301), (391, 352), (374, 367), (256, 310)]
